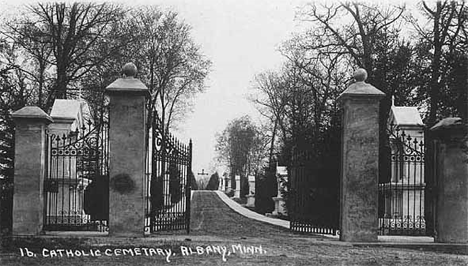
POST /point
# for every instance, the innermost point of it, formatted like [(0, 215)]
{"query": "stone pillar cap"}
[(32, 112), (448, 123), (360, 88), (128, 84)]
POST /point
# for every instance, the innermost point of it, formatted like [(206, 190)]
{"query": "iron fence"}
[(403, 199), (167, 184), (314, 196), (77, 177)]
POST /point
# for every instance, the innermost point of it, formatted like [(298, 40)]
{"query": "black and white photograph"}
[(234, 132)]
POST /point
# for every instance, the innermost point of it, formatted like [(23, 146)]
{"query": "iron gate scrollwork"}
[(403, 196), (167, 184), (76, 183)]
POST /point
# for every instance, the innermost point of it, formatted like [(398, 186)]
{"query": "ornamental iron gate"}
[(76, 185), (167, 184), (314, 196), (404, 196)]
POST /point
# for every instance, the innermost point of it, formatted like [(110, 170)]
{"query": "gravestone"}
[(221, 183), (229, 183), (238, 185), (251, 195)]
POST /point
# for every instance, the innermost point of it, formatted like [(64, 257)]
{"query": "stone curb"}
[(251, 214)]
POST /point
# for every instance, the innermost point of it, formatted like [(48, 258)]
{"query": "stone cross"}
[(201, 175), (202, 172)]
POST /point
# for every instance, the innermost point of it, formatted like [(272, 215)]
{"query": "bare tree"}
[(368, 36), (170, 62), (271, 99), (242, 148), (300, 100), (61, 37), (446, 37)]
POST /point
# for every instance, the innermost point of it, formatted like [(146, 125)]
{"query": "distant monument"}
[(251, 195), (281, 177), (238, 185)]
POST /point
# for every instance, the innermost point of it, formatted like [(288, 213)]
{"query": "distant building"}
[(407, 119), (69, 115)]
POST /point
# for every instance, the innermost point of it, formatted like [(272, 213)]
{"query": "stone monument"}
[(238, 187), (281, 178), (221, 183), (251, 195)]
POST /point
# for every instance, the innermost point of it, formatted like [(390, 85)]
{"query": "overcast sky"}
[(241, 38)]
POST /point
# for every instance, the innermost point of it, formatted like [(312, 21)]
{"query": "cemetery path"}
[(211, 216)]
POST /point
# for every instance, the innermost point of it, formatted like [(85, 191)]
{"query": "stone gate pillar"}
[(30, 170), (127, 114), (452, 181), (360, 161)]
